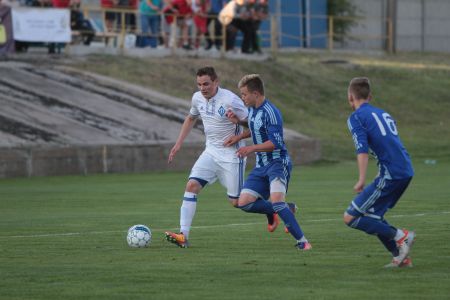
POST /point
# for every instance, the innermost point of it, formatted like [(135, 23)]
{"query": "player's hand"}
[(244, 151), (230, 141), (359, 186), (172, 153), (232, 116)]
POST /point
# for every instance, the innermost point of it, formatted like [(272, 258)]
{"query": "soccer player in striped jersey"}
[(217, 162), (270, 177), (374, 130)]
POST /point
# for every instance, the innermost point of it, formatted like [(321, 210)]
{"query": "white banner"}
[(41, 25)]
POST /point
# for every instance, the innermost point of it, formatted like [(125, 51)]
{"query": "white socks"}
[(187, 212)]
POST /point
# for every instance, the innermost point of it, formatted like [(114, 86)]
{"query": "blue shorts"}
[(260, 178), (378, 197)]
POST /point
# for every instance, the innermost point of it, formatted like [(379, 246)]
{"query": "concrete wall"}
[(421, 25), (368, 31), (132, 158)]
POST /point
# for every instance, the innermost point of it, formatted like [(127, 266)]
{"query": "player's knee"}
[(193, 186), (278, 186), (245, 199)]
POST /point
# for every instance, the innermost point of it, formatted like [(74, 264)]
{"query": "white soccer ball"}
[(139, 236)]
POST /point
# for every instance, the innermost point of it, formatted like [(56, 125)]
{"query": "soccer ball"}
[(139, 236)]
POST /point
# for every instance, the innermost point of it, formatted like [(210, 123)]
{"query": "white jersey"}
[(216, 125)]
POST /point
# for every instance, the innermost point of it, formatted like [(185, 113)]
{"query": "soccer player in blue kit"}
[(270, 177), (374, 130)]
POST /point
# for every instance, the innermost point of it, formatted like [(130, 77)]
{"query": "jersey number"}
[(389, 122)]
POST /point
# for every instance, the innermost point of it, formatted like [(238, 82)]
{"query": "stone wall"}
[(131, 158)]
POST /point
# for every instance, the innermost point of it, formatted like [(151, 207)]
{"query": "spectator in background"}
[(150, 22), (216, 7), (42, 3), (110, 16), (184, 20), (246, 14), (260, 12), (166, 21), (78, 22), (241, 22), (200, 10), (130, 18), (60, 3)]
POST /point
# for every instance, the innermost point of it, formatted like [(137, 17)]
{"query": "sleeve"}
[(194, 110), (359, 134), (239, 108), (274, 125)]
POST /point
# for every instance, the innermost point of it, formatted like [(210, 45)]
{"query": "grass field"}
[(64, 238)]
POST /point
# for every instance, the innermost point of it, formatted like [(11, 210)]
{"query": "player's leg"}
[(189, 204), (368, 208), (404, 238), (187, 213), (279, 175), (231, 176), (253, 195), (202, 173)]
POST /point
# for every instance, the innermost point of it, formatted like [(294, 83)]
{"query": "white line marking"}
[(203, 227)]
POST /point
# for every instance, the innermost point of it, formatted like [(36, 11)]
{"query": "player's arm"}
[(363, 161), (237, 113), (267, 146), (187, 126), (362, 150), (230, 141)]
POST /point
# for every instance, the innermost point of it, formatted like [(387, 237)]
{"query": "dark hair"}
[(360, 87), (208, 71), (253, 82)]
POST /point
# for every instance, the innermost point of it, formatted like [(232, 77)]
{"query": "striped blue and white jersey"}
[(266, 123), (374, 131), (216, 125)]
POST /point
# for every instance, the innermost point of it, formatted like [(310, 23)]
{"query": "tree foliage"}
[(344, 12)]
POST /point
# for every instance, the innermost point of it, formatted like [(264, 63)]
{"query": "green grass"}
[(311, 94), (64, 238)]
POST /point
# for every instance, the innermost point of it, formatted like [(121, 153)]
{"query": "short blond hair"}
[(360, 87), (253, 82)]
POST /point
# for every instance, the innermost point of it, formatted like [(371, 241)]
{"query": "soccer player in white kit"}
[(217, 162)]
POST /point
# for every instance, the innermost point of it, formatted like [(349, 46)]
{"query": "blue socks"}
[(259, 206), (289, 219), (389, 244), (281, 208), (374, 226)]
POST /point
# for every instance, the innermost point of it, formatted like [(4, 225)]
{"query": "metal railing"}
[(271, 37)]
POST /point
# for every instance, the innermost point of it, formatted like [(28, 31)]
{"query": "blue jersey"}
[(374, 129), (266, 123)]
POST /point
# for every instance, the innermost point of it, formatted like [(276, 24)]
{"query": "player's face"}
[(248, 97), (206, 86)]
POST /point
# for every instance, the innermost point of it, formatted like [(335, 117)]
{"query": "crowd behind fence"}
[(171, 37), (126, 27)]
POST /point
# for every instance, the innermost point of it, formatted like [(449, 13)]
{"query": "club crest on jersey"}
[(221, 111)]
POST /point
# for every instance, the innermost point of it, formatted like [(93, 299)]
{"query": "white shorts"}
[(207, 169)]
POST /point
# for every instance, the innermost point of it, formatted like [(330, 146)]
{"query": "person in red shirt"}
[(200, 10), (184, 20), (110, 17), (61, 3)]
